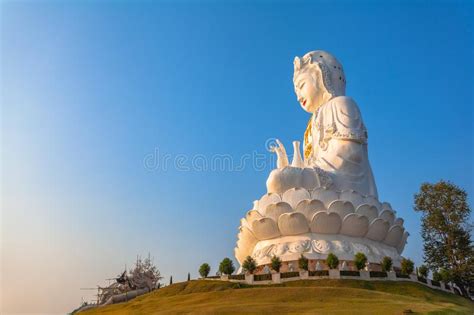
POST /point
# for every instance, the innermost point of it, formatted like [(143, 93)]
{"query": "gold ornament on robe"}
[(308, 140)]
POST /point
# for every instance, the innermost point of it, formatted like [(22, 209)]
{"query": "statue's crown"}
[(332, 72)]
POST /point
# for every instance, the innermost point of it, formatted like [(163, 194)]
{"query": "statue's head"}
[(318, 77)]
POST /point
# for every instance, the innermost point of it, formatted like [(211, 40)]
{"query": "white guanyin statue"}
[(326, 201), (335, 141)]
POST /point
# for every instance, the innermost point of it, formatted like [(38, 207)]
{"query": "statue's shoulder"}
[(344, 110), (345, 105), (343, 114)]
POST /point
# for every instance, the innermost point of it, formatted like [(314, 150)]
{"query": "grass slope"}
[(298, 297)]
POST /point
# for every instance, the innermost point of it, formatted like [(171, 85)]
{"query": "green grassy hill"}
[(297, 297)]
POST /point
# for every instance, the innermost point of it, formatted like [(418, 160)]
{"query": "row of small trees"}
[(226, 267), (332, 261)]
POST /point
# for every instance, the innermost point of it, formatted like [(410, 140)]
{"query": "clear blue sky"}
[(89, 89)]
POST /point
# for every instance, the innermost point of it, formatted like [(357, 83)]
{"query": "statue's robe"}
[(338, 145)]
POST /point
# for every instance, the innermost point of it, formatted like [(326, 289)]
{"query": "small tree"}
[(332, 261), (446, 231), (276, 263), (423, 271), (360, 260), (171, 280), (407, 266), (249, 264), (226, 266), (303, 263), (437, 276), (386, 264), (445, 275), (189, 276), (204, 270)]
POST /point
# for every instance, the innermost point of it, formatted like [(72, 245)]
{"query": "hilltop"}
[(305, 296)]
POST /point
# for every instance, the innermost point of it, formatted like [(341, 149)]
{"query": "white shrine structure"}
[(326, 200)]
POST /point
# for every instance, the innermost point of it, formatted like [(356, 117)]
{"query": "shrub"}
[(407, 266), (276, 263), (249, 264), (226, 266), (360, 260), (437, 276), (303, 263), (445, 275), (423, 271), (204, 270), (332, 261), (386, 263), (435, 283)]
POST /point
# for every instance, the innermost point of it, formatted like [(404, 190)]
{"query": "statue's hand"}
[(282, 158)]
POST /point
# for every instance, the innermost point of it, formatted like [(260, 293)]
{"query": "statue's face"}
[(307, 92)]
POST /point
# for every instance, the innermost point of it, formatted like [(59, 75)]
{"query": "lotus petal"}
[(343, 208), (355, 225), (310, 207), (378, 230), (255, 205), (240, 255), (354, 197), (295, 195), (244, 223), (325, 195), (293, 224), (267, 200), (274, 211), (403, 242), (398, 221), (371, 200), (386, 206), (369, 211), (265, 228), (246, 239), (387, 215), (252, 215), (326, 223), (310, 179), (394, 235)]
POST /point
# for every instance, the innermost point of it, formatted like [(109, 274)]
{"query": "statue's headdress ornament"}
[(331, 70)]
